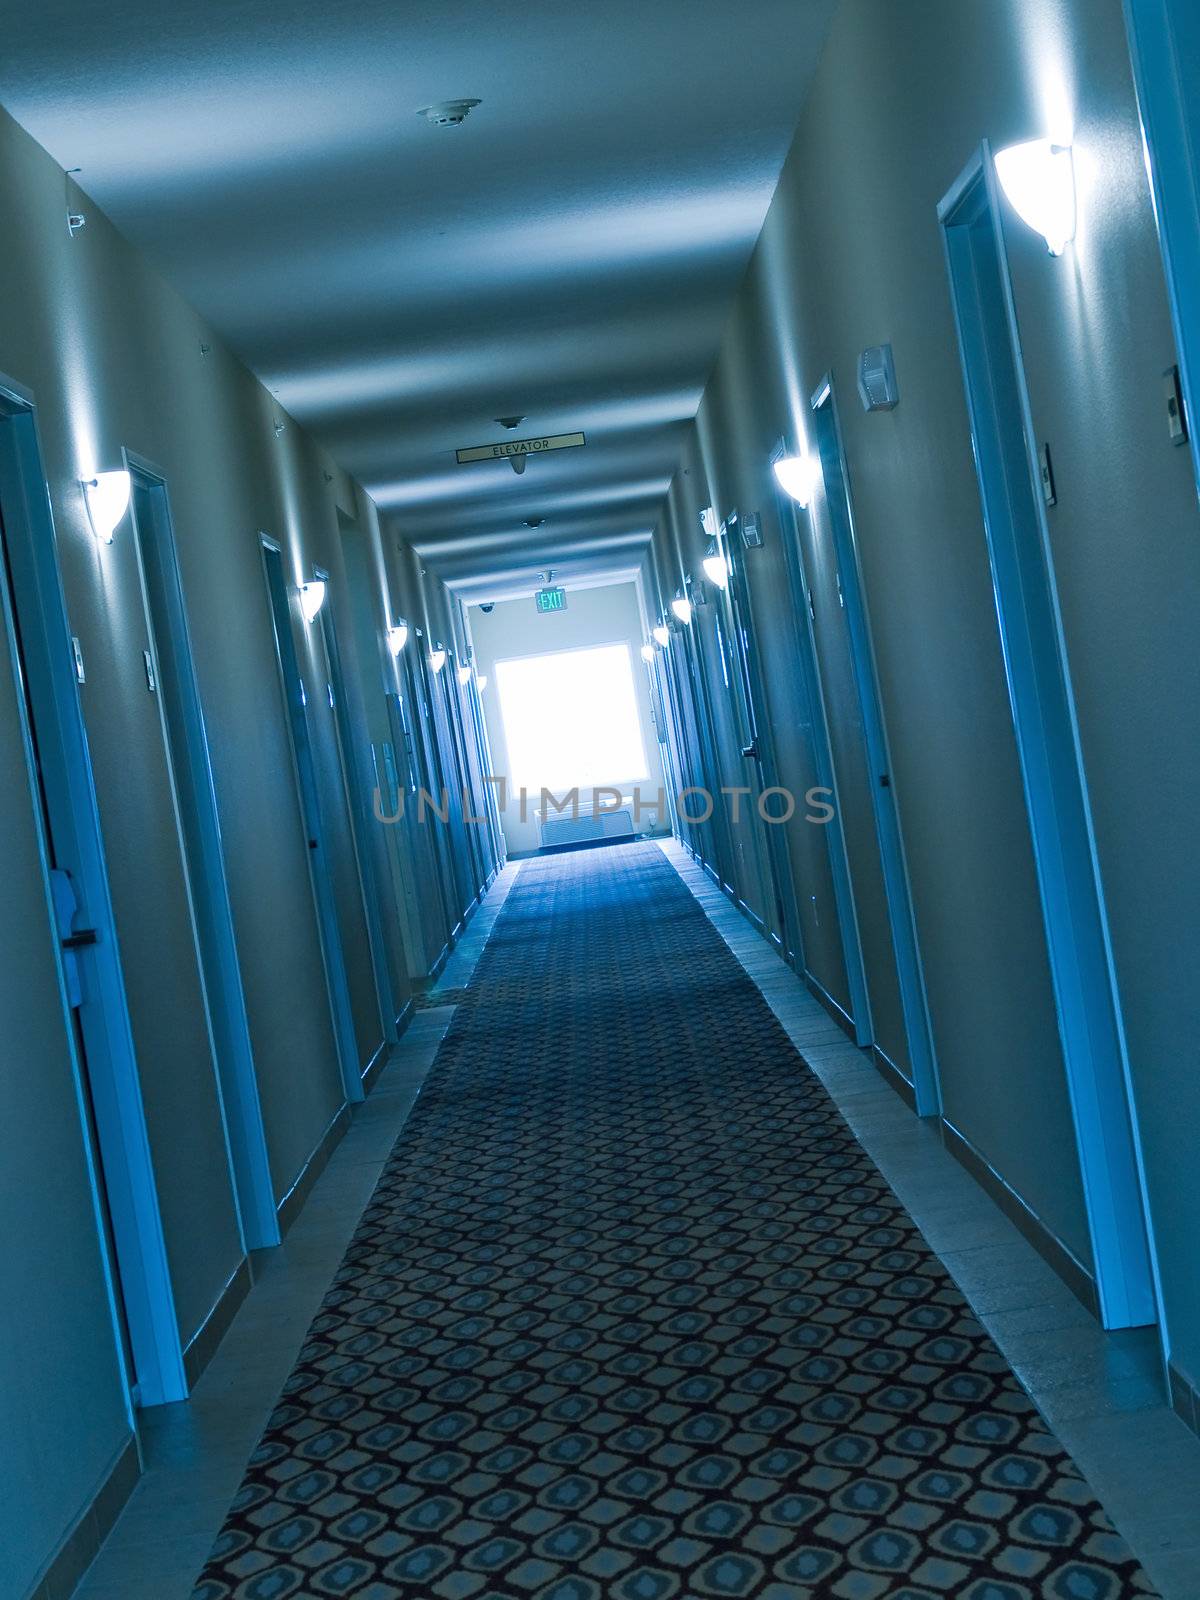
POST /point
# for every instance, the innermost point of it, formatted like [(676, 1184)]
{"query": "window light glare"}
[(648, 654), (797, 476), (107, 499), (312, 598), (437, 657), (682, 607), (716, 569), (571, 718), (397, 636), (1039, 179), (662, 634)]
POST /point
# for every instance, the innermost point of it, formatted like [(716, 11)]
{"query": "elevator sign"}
[(519, 447), (551, 599)]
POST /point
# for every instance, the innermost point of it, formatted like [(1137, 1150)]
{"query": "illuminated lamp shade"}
[(437, 657), (682, 608), (797, 476), (716, 569), (107, 499), (312, 598), (397, 636), (464, 676), (648, 654), (1039, 180), (662, 634)]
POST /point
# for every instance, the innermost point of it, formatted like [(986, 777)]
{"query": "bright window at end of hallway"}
[(571, 719)]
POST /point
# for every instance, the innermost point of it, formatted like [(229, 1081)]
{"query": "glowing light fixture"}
[(682, 607), (464, 676), (397, 636), (1039, 180), (481, 681), (709, 522), (662, 634), (107, 499), (312, 597), (648, 654), (437, 657), (716, 568), (797, 476)]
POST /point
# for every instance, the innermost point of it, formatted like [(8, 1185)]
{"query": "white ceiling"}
[(570, 252)]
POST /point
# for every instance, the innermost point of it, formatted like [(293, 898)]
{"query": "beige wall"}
[(609, 614), (850, 256)]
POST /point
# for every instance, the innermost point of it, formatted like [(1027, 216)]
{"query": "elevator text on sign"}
[(520, 447)]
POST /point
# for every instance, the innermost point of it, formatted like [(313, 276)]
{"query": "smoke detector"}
[(447, 113), (509, 422)]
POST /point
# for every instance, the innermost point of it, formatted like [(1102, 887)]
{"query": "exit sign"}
[(552, 599)]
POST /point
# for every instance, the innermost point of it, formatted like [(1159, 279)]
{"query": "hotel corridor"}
[(631, 1313)]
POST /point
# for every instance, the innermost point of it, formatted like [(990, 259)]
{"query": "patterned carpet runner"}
[(632, 1316)]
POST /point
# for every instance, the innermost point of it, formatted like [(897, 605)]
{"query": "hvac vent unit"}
[(589, 827)]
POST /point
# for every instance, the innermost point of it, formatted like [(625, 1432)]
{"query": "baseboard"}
[(81, 1545), (820, 993), (203, 1344), (376, 1064), (1047, 1244), (435, 970), (290, 1206), (892, 1075), (1185, 1397)]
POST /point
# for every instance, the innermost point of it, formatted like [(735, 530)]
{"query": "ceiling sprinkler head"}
[(447, 113), (509, 422)]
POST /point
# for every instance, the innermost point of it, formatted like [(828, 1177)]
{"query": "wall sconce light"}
[(437, 657), (107, 499), (481, 681), (464, 675), (312, 597), (797, 476), (716, 568), (709, 522), (1039, 179), (682, 607), (662, 635), (648, 654), (397, 636)]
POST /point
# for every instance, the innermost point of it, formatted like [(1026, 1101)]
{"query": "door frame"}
[(906, 949), (359, 818), (112, 1075), (739, 604), (1173, 163), (308, 800), (1041, 698), (199, 822), (821, 746)]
